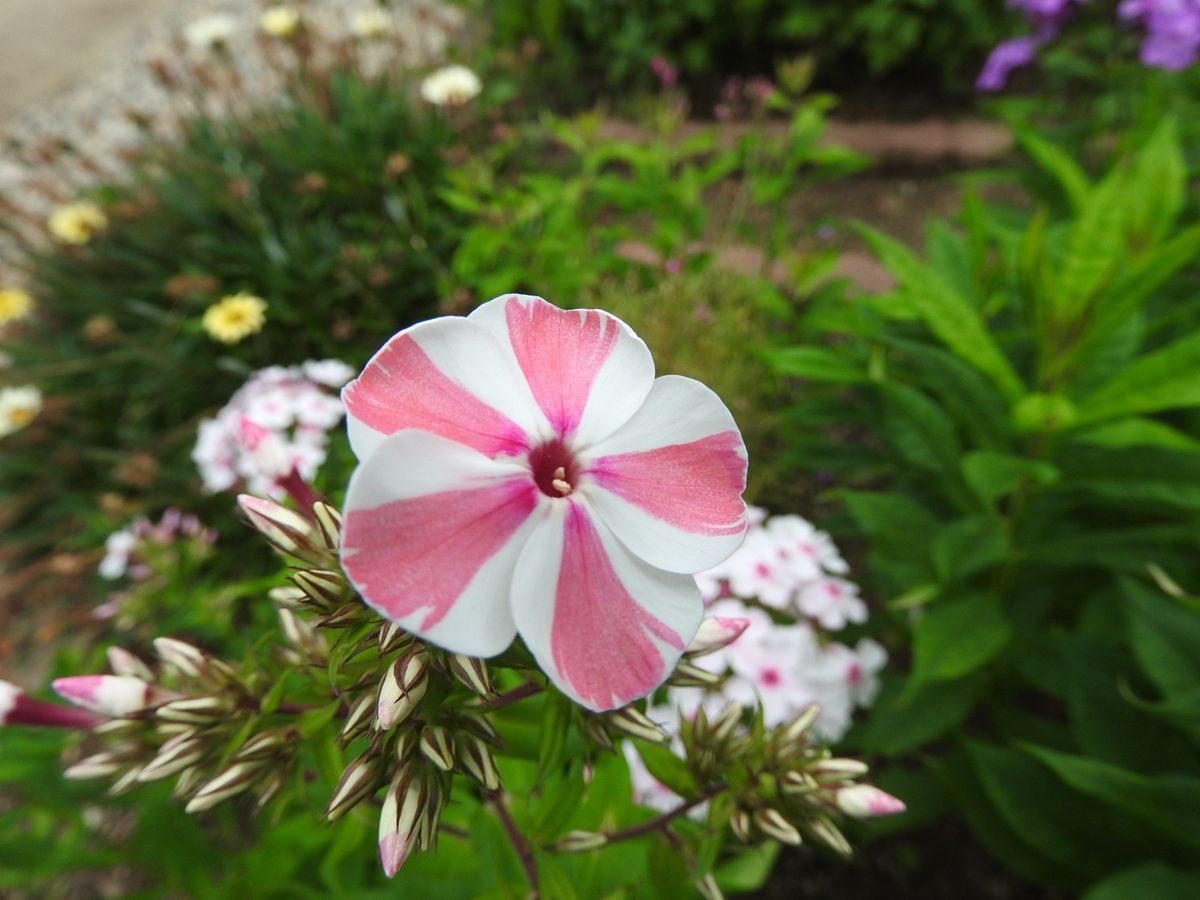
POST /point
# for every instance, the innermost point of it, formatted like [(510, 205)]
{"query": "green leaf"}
[(1094, 249), (815, 364), (1165, 638), (969, 545), (667, 870), (995, 475), (920, 431), (902, 720), (1150, 881), (314, 720), (668, 768), (949, 316), (1169, 804), (1137, 433), (557, 712), (1168, 378), (749, 870), (559, 798), (1057, 163), (955, 638), (1156, 185)]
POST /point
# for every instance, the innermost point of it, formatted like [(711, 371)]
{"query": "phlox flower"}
[(522, 471), (18, 708), (15, 304), (276, 422), (833, 602), (451, 86)]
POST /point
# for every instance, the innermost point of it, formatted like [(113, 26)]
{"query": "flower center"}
[(554, 469)]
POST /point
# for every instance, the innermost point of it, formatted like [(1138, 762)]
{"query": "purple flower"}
[(667, 74), (1003, 59), (1172, 31)]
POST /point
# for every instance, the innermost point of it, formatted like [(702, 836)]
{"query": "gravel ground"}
[(96, 114)]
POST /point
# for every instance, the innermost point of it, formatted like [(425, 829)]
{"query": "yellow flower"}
[(18, 406), (77, 223), (235, 317), (280, 21), (15, 304)]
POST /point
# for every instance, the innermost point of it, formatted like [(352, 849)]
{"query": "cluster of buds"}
[(781, 785)]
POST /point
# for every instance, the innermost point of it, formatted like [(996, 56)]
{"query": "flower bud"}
[(475, 758), (358, 718), (324, 587), (715, 632), (473, 673), (125, 782), (688, 675), (708, 887), (798, 782), (404, 807), (435, 744), (286, 531), (831, 836), (726, 722), (98, 765), (402, 689), (794, 733), (266, 745), (288, 597), (173, 756), (301, 635), (357, 781), (580, 841), (271, 785), (480, 726), (772, 823), (108, 695), (232, 781), (189, 780), (122, 662), (838, 769), (329, 525), (594, 730), (344, 616), (634, 723), (188, 661), (194, 710), (16, 708), (740, 824), (392, 638), (864, 801), (405, 744)]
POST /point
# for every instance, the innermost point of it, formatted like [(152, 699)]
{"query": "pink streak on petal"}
[(599, 635), (80, 689), (402, 388), (560, 352), (696, 487), (410, 554)]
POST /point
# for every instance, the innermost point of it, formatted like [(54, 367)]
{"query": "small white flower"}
[(451, 86), (210, 31), (371, 23), (18, 407), (280, 21)]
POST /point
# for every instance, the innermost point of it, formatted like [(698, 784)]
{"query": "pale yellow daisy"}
[(77, 223), (18, 407), (15, 304), (281, 20), (235, 317)]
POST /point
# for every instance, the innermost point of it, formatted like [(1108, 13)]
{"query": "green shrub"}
[(1016, 426)]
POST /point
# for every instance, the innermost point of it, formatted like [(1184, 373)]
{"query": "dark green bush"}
[(1016, 426)]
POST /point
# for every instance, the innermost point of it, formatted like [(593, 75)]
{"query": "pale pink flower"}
[(807, 551), (108, 695), (864, 801), (756, 570), (522, 471), (833, 602)]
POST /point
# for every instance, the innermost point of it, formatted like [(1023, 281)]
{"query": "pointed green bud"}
[(772, 823), (98, 765), (797, 782), (343, 617), (594, 730), (473, 673), (479, 725), (288, 532), (831, 836), (402, 688), (358, 719), (266, 745), (287, 596), (580, 841), (183, 658), (269, 787), (740, 825), (688, 675), (329, 526), (475, 758), (392, 638), (326, 588), (194, 710), (795, 733), (634, 723), (188, 782), (231, 781), (300, 634), (726, 722), (174, 756), (406, 743), (435, 744), (405, 806), (358, 780), (122, 662), (125, 782), (838, 769)]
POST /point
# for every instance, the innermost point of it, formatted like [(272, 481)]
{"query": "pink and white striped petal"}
[(586, 368), (431, 534), (604, 626), (669, 482), (449, 377)]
